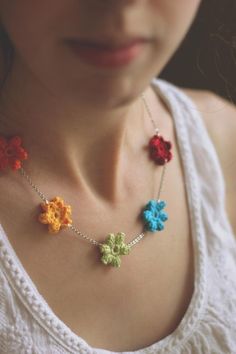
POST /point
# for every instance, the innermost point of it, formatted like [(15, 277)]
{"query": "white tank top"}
[(29, 326)]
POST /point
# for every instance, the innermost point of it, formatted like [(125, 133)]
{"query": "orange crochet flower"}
[(56, 214), (11, 153)]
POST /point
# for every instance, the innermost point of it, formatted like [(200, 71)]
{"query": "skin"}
[(220, 118), (61, 86), (89, 118)]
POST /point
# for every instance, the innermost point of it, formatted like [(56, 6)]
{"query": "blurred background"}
[(207, 56)]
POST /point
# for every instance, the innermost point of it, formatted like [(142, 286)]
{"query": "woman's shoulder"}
[(219, 116)]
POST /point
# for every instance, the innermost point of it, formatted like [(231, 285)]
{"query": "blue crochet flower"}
[(153, 215)]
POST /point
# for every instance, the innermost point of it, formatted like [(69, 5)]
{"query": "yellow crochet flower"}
[(55, 214)]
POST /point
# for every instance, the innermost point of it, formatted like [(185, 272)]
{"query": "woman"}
[(81, 96)]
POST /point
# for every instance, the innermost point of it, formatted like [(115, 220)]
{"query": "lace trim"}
[(40, 310)]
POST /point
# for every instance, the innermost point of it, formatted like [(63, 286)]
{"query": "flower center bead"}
[(9, 152)]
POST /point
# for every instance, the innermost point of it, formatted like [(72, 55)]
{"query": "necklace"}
[(57, 215)]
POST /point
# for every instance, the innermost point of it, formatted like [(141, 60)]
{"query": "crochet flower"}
[(56, 214), (11, 153), (153, 215), (113, 248), (160, 150)]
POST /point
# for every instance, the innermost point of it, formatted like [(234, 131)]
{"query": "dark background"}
[(207, 56)]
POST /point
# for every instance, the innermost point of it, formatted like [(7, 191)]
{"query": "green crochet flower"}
[(113, 248)]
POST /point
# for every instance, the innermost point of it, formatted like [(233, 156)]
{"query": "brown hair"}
[(6, 58), (207, 57)]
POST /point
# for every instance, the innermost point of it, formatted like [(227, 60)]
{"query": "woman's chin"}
[(108, 94)]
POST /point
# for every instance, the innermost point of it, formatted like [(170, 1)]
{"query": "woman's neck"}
[(80, 142)]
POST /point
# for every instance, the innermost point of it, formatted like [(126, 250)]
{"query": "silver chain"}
[(74, 228), (150, 114)]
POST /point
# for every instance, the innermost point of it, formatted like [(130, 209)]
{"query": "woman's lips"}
[(107, 55)]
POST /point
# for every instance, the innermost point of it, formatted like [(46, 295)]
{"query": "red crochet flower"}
[(11, 153), (160, 149)]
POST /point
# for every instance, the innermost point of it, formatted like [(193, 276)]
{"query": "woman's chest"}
[(124, 308), (119, 309)]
